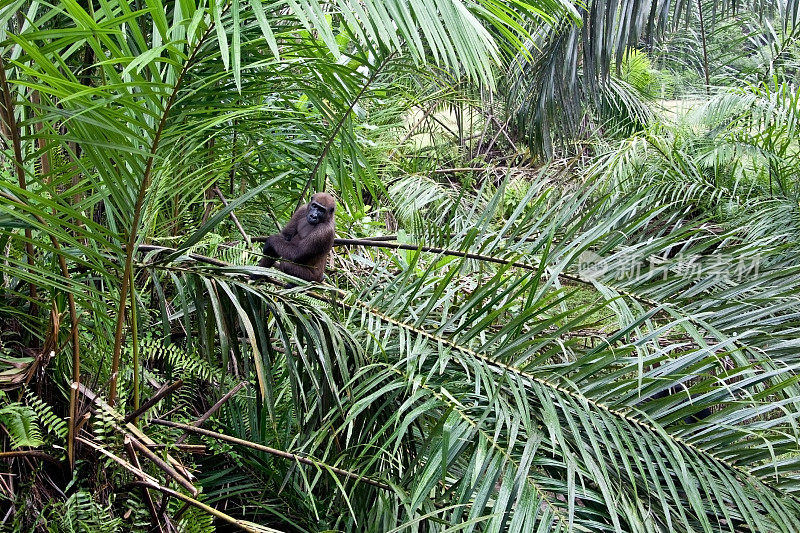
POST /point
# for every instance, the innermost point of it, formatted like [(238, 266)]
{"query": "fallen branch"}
[(154, 399), (163, 465), (119, 460), (29, 453), (272, 451), (196, 449), (145, 492), (242, 524), (197, 423), (184, 477), (148, 481)]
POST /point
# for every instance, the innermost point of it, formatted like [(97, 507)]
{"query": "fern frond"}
[(51, 422), (21, 423)]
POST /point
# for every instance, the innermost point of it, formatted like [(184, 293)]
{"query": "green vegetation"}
[(582, 313)]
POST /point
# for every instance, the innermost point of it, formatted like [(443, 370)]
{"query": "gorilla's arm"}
[(304, 249), (290, 230)]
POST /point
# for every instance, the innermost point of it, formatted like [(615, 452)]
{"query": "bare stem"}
[(233, 216), (11, 130)]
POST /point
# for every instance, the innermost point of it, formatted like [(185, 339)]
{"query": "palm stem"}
[(705, 49), (339, 125), (137, 215), (11, 130)]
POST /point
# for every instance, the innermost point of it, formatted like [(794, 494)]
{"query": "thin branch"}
[(412, 130), (460, 169), (379, 238), (75, 339), (502, 129), (30, 453), (272, 451), (41, 144), (196, 449), (197, 423), (435, 250), (444, 126), (233, 216), (7, 118), (154, 399), (11, 130), (135, 347), (705, 50), (145, 492)]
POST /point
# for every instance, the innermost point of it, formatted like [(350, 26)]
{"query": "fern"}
[(79, 513), (196, 521), (137, 515), (184, 364), (103, 427), (170, 362), (20, 421), (51, 422)]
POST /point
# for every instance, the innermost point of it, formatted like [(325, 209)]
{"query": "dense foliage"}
[(565, 296)]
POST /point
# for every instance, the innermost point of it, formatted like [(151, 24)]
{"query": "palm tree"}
[(568, 86)]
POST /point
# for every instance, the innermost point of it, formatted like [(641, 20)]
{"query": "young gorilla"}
[(306, 240)]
